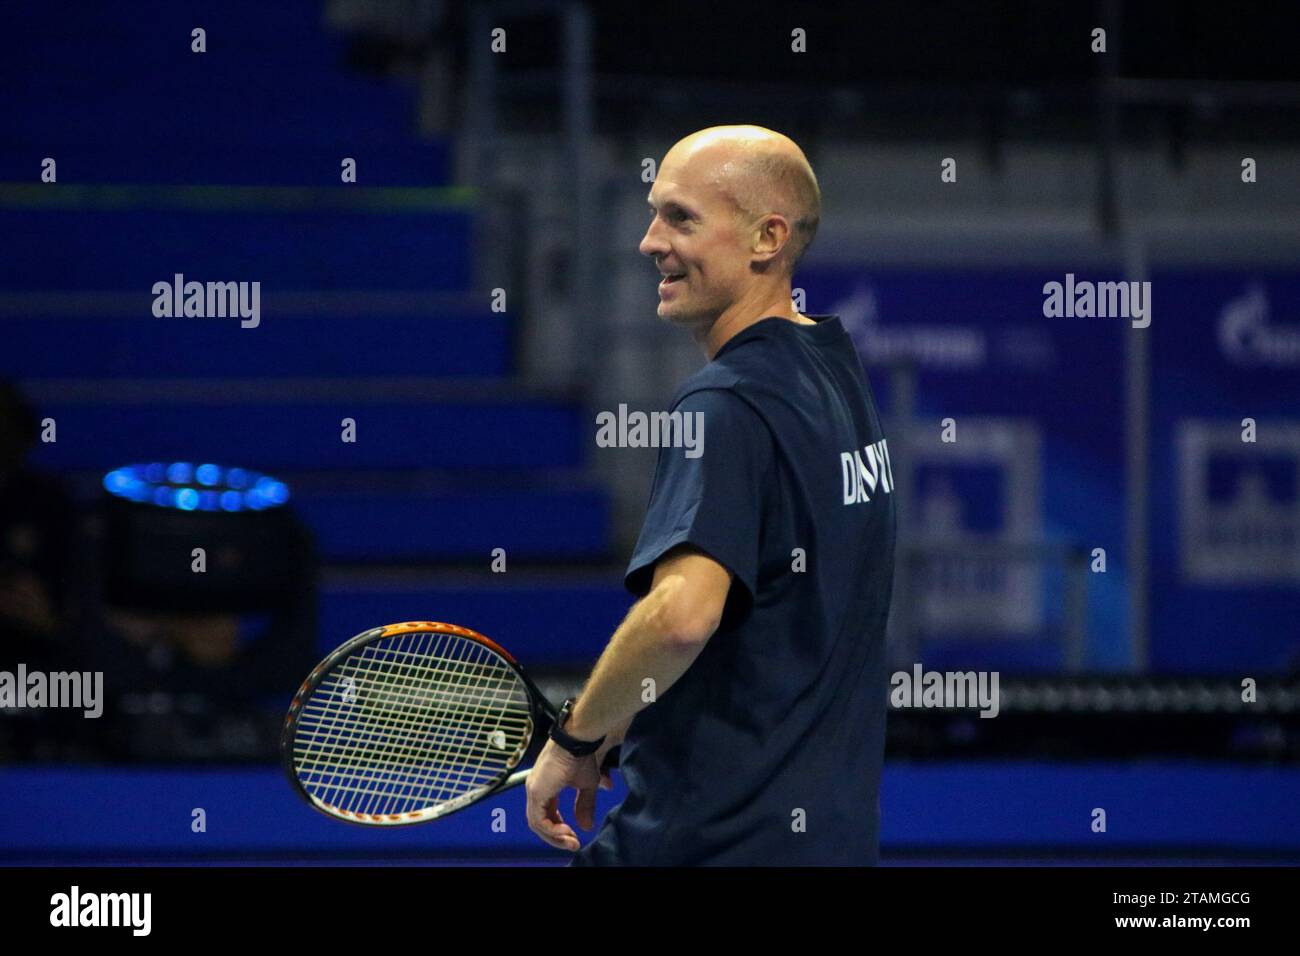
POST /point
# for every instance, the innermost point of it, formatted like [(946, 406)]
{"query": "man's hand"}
[(555, 770)]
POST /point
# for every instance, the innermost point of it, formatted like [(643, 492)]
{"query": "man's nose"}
[(651, 244)]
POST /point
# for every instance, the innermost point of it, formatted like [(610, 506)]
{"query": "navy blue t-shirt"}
[(768, 750)]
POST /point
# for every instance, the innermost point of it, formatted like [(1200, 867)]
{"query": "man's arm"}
[(711, 505), (659, 639)]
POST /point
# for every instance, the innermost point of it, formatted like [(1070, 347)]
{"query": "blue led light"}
[(169, 486)]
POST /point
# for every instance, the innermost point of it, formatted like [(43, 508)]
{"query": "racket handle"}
[(515, 779)]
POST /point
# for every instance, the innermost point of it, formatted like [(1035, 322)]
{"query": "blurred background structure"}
[(1099, 534)]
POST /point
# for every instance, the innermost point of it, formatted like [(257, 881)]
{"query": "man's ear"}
[(771, 235)]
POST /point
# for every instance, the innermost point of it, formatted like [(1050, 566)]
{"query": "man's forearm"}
[(643, 647)]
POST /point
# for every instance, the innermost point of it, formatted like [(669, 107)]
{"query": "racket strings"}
[(407, 781), (406, 677), (454, 749), (411, 722), (421, 695)]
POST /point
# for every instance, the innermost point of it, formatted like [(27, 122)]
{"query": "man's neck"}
[(742, 315)]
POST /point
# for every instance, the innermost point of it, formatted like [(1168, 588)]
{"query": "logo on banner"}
[(1248, 337), (929, 346), (977, 496), (1239, 503)]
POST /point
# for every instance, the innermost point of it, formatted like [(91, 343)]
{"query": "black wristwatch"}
[(579, 748)]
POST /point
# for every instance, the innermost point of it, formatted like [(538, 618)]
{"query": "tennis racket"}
[(410, 722)]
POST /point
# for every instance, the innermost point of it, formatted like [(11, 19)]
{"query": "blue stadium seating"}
[(288, 250), (545, 621), (225, 167), (452, 344), (271, 74), (405, 164), (498, 434), (528, 522)]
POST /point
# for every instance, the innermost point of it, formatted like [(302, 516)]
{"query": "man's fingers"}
[(562, 837), (555, 831), (550, 826), (537, 810), (552, 773), (532, 813)]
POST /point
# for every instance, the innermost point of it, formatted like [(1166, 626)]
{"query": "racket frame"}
[(543, 715)]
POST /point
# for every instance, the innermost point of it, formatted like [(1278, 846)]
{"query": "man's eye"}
[(675, 215)]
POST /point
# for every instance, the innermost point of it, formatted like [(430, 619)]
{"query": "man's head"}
[(734, 208)]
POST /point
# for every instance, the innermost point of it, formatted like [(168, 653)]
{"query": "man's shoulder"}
[(713, 377), (739, 370)]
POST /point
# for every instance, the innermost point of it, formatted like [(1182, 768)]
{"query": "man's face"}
[(694, 234)]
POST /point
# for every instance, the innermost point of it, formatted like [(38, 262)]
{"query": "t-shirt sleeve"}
[(709, 496)]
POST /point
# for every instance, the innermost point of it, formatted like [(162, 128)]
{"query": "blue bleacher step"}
[(251, 163), (278, 425), (266, 69), (386, 246), (451, 335), (545, 619), (538, 517)]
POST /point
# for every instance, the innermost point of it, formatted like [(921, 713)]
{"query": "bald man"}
[(747, 686)]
